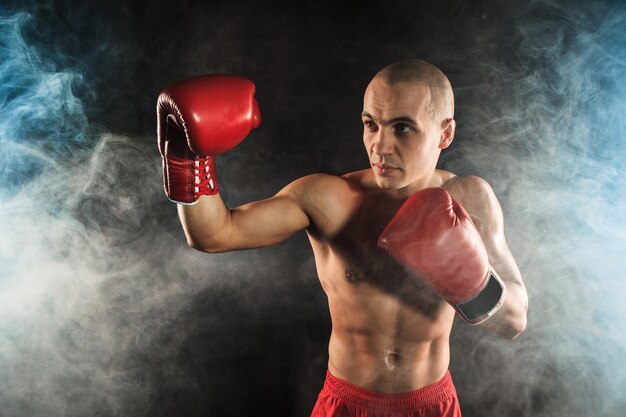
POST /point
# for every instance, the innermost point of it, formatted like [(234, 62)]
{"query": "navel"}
[(392, 358)]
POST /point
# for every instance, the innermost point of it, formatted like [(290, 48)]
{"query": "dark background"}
[(105, 311)]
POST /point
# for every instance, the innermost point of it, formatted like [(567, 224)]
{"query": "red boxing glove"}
[(197, 119), (433, 236)]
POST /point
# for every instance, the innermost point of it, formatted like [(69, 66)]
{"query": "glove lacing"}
[(203, 181)]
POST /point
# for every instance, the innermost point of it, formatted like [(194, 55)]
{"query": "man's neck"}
[(432, 180)]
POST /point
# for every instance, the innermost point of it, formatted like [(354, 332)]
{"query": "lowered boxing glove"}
[(197, 119), (433, 236)]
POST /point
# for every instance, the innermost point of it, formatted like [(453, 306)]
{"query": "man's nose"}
[(383, 143)]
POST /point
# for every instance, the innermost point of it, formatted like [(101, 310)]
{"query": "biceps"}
[(266, 222)]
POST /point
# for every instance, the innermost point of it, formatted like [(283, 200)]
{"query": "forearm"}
[(206, 223), (210, 226)]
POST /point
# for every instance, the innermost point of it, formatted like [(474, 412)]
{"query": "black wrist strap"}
[(484, 304)]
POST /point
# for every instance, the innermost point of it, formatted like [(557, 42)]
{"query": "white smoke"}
[(548, 131)]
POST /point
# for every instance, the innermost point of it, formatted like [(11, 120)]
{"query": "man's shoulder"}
[(321, 180), (314, 181), (326, 199), (475, 195), (312, 187), (467, 184)]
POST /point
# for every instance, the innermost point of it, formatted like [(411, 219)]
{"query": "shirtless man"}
[(389, 348)]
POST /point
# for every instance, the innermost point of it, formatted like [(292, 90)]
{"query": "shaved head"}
[(415, 71)]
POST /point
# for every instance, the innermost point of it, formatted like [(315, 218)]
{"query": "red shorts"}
[(340, 398)]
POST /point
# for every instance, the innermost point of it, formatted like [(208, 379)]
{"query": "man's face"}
[(402, 139)]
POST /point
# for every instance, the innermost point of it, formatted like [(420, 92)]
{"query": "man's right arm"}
[(210, 226), (197, 119)]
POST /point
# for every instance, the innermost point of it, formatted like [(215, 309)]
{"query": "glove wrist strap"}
[(484, 304)]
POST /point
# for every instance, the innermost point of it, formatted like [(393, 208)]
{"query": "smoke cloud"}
[(101, 300), (551, 141), (105, 311)]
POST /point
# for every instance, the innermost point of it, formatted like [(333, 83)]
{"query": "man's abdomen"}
[(382, 345)]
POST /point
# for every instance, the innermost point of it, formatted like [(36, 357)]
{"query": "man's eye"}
[(369, 124), (402, 128)]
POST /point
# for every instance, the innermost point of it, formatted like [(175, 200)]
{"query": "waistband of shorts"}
[(360, 397)]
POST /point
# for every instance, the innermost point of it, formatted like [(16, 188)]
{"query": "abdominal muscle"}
[(390, 333), (381, 345)]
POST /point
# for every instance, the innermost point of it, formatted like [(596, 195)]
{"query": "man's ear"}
[(448, 128)]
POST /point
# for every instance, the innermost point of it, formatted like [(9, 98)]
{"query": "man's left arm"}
[(481, 203)]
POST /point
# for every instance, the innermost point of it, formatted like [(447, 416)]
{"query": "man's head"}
[(408, 117)]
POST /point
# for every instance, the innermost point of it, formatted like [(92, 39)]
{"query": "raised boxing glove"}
[(197, 119), (433, 236)]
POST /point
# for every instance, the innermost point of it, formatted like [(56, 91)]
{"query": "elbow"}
[(195, 244), (516, 328), (516, 317), (508, 326), (520, 321)]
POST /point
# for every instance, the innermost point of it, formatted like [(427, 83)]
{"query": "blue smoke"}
[(67, 210), (86, 291), (43, 122)]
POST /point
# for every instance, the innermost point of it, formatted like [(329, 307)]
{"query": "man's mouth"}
[(385, 169)]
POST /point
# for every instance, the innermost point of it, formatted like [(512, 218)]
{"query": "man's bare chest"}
[(350, 264)]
